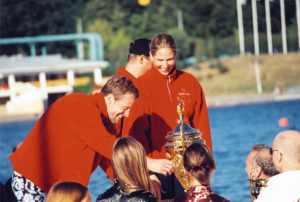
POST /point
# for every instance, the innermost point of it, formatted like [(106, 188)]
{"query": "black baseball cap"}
[(140, 47)]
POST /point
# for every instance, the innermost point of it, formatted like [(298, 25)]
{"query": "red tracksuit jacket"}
[(67, 143), (155, 113)]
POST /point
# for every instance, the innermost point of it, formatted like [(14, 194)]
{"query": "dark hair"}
[(163, 40), (133, 57), (199, 161), (119, 86), (140, 47), (263, 159), (67, 191)]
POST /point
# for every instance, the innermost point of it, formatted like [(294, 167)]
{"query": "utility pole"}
[(255, 27), (257, 76), (283, 27), (239, 4), (79, 44), (180, 19), (298, 21), (269, 31)]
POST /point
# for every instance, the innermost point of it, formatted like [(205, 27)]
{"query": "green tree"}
[(116, 44), (34, 18), (202, 19)]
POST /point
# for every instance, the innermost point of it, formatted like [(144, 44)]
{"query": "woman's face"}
[(164, 60)]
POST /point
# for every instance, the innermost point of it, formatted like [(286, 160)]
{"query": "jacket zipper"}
[(168, 87)]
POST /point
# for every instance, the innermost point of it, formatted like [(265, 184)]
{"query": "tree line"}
[(210, 27)]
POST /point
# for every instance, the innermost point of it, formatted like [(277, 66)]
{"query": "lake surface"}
[(234, 130)]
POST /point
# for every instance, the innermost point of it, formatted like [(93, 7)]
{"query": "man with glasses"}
[(286, 157)]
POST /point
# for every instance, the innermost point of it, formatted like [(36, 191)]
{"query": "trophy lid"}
[(187, 131), (183, 129)]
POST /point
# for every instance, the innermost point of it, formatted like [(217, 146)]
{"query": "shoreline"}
[(19, 118), (234, 100), (212, 102)]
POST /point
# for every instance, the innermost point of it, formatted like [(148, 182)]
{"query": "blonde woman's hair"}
[(66, 192), (163, 40), (130, 165), (199, 161)]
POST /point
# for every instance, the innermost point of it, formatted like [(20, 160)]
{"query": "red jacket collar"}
[(99, 101), (154, 72), (123, 72)]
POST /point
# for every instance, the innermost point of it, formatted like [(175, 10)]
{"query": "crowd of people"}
[(122, 129)]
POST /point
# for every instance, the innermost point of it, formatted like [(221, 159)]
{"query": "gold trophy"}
[(257, 185), (177, 141)]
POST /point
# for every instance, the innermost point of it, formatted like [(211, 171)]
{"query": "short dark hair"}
[(140, 47), (133, 57), (199, 161), (263, 159), (119, 87)]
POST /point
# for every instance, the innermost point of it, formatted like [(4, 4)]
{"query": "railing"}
[(96, 51), (41, 66)]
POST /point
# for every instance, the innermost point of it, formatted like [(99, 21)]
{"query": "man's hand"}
[(155, 186), (162, 166)]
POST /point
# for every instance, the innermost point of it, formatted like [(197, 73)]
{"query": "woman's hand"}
[(155, 186)]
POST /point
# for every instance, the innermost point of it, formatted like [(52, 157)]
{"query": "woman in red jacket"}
[(155, 113)]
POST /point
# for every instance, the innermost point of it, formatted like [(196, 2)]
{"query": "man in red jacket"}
[(68, 142), (139, 61)]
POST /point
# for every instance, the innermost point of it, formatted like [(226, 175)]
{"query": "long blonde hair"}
[(67, 192), (130, 165)]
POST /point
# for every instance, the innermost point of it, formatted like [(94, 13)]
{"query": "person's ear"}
[(141, 59), (257, 171), (151, 56), (111, 98), (279, 156)]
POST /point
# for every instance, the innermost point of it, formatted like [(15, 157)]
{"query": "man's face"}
[(118, 108), (147, 63), (249, 169)]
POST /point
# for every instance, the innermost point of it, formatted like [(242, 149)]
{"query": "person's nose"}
[(165, 64), (126, 113)]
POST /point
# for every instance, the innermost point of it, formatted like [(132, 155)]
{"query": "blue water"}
[(234, 131)]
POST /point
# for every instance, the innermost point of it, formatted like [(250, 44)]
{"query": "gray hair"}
[(259, 147), (263, 159)]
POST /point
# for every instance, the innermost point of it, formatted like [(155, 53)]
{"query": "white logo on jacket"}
[(184, 96)]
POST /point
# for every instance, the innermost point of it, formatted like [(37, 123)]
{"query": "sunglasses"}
[(272, 150)]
